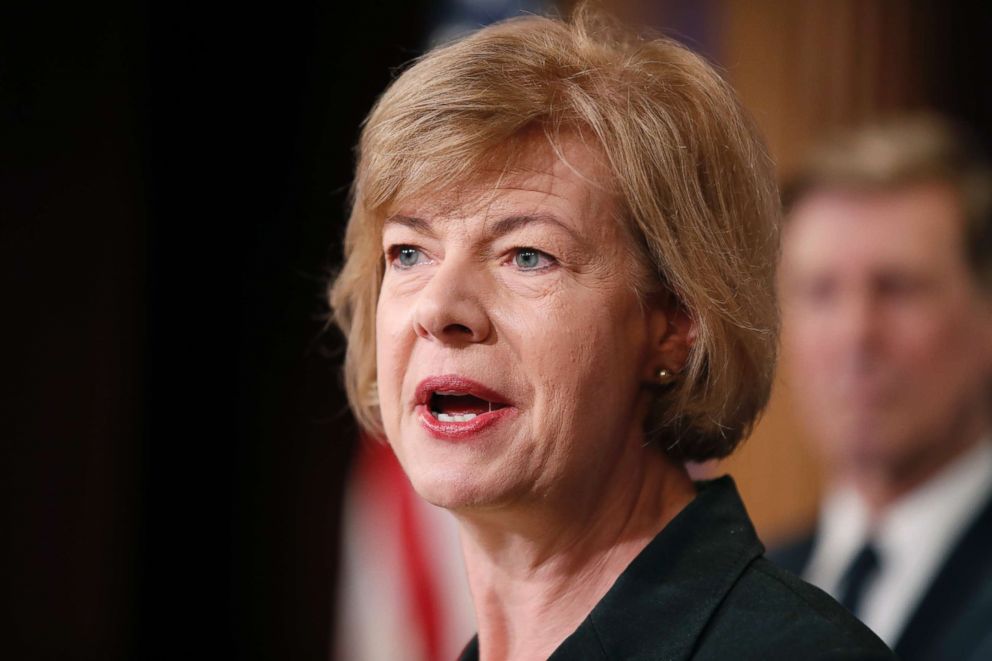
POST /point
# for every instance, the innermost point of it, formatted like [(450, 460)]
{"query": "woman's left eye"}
[(531, 259)]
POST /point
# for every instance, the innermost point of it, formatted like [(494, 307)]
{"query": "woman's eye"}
[(406, 256), (530, 259)]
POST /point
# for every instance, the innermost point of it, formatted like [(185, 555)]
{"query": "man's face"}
[(886, 332)]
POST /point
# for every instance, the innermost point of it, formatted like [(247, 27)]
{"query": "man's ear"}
[(672, 334)]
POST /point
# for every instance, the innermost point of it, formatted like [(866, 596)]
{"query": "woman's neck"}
[(536, 573)]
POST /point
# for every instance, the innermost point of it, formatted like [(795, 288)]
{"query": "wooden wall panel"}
[(801, 67)]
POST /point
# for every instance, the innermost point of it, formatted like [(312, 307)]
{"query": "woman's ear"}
[(672, 334)]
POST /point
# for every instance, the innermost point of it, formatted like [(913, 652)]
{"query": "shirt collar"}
[(941, 507), (842, 529), (923, 524)]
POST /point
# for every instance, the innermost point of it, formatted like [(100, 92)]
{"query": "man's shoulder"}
[(772, 614), (959, 594)]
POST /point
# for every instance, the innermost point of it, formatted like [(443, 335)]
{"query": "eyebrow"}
[(499, 228)]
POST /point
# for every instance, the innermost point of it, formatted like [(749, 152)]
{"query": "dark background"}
[(173, 184)]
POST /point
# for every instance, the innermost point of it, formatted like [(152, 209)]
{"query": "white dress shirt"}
[(912, 537)]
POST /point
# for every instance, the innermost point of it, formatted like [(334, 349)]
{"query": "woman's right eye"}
[(405, 257)]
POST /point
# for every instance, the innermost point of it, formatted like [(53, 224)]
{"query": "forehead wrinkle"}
[(530, 189), (476, 197), (416, 224)]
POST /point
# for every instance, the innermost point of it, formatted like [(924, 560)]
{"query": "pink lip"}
[(455, 383), (455, 431)]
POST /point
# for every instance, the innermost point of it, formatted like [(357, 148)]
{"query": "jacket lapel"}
[(963, 575), (660, 605)]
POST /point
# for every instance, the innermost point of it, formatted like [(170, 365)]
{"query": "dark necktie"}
[(858, 576)]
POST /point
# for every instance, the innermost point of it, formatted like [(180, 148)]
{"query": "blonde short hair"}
[(692, 176), (906, 150)]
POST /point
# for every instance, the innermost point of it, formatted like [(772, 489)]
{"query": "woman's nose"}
[(450, 307)]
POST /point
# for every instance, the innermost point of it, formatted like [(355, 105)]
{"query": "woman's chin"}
[(460, 490), (476, 472)]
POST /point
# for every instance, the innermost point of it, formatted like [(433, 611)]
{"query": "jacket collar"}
[(660, 604)]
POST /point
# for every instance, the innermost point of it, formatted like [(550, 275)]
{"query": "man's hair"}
[(692, 178), (905, 151)]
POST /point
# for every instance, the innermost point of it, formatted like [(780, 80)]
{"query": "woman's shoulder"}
[(703, 590), (773, 614)]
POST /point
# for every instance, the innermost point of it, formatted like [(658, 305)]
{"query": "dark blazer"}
[(970, 638), (702, 590), (961, 592)]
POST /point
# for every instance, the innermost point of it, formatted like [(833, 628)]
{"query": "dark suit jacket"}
[(702, 590), (956, 610), (970, 638)]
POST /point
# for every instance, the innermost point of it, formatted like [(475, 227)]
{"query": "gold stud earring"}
[(665, 377)]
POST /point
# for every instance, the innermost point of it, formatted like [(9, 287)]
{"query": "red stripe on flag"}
[(422, 592)]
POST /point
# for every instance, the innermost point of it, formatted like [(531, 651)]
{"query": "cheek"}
[(928, 340), (802, 348), (589, 353), (947, 354), (811, 338), (391, 357)]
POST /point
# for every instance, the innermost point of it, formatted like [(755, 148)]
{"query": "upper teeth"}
[(444, 417)]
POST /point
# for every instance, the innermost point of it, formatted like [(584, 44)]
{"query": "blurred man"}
[(887, 299)]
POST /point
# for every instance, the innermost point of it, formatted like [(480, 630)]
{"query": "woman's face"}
[(511, 346)]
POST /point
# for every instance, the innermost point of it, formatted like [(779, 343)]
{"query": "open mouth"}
[(455, 408), (459, 407)]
